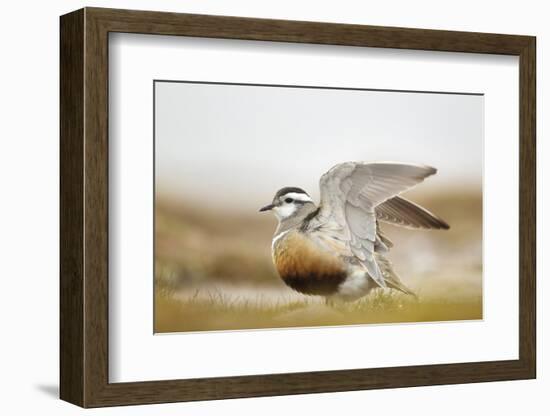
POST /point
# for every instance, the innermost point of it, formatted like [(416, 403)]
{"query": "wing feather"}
[(400, 211), (350, 193)]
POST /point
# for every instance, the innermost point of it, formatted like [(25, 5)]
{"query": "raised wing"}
[(402, 212), (350, 192)]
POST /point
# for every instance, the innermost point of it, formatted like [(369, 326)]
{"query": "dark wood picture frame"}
[(84, 207)]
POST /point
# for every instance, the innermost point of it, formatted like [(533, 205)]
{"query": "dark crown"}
[(288, 189)]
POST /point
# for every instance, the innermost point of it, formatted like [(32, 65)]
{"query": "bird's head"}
[(290, 202)]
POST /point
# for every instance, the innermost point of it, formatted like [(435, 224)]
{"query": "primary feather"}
[(402, 212)]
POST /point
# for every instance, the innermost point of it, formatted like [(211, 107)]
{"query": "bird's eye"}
[(288, 200)]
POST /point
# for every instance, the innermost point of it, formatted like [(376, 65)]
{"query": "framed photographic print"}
[(255, 207)]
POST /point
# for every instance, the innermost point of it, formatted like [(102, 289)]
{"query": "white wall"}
[(29, 207)]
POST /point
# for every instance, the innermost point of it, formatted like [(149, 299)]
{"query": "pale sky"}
[(239, 144)]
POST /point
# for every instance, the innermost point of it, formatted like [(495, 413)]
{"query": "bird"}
[(336, 249)]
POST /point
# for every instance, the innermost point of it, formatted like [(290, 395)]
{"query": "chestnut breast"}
[(306, 267)]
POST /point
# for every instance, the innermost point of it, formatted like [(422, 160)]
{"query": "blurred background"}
[(222, 151)]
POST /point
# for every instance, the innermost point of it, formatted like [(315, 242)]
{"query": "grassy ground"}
[(215, 272), (217, 310)]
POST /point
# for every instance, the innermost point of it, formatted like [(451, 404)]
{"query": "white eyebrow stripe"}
[(298, 196)]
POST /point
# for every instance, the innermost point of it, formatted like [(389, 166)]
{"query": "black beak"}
[(267, 208)]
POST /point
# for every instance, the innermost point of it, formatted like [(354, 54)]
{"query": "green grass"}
[(216, 310)]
